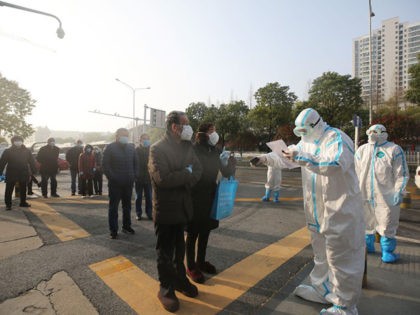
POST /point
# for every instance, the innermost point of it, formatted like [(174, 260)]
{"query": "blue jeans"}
[(147, 189), (117, 193)]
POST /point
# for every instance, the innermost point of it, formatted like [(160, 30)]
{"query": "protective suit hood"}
[(309, 125), (377, 134)]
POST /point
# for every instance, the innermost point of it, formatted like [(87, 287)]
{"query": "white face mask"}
[(18, 143), (187, 133), (213, 138)]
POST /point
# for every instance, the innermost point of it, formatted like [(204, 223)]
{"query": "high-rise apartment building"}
[(394, 49)]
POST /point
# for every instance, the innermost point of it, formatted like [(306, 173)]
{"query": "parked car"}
[(417, 177), (62, 163)]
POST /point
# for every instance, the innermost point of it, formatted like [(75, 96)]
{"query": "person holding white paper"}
[(334, 213)]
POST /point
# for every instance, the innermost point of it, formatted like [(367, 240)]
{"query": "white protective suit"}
[(334, 213), (273, 178), (383, 175)]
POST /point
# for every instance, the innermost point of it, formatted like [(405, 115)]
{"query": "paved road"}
[(261, 253)]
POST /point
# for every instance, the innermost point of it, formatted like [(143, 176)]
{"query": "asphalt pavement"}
[(57, 258)]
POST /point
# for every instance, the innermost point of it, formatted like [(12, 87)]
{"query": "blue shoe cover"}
[(370, 243), (388, 245), (276, 196), (389, 257), (267, 195)]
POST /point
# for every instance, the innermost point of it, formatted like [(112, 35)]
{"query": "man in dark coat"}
[(20, 164), (48, 158), (174, 169), (72, 156), (120, 166), (143, 183), (212, 161)]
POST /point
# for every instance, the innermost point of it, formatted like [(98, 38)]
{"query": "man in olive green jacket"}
[(174, 169)]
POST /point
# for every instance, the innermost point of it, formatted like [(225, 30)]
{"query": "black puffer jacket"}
[(204, 191), (48, 158), (171, 181), (20, 164), (120, 163)]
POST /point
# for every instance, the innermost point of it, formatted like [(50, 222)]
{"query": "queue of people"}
[(348, 197)]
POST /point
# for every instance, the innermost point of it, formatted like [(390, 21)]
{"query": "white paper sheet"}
[(277, 147)]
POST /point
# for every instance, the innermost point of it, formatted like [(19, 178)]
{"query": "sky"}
[(210, 51)]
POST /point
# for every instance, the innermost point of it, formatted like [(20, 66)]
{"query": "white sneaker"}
[(309, 293), (339, 310)]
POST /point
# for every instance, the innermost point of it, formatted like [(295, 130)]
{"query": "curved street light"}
[(60, 31), (134, 104)]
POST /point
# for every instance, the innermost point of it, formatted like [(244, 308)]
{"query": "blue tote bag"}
[(225, 198)]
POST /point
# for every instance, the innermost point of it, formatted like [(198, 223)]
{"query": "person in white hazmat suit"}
[(383, 174), (273, 184), (334, 212)]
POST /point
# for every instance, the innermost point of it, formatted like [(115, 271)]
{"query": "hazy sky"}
[(185, 50)]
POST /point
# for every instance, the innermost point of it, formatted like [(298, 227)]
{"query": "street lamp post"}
[(60, 31), (133, 90), (371, 14)]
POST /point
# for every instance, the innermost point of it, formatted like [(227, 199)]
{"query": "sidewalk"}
[(58, 295)]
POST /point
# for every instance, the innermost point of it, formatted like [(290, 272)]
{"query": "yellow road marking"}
[(139, 290), (259, 199), (63, 228), (75, 201)]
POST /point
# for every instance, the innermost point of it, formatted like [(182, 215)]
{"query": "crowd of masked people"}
[(20, 172)]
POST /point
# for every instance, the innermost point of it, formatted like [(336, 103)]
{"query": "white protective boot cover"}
[(309, 293)]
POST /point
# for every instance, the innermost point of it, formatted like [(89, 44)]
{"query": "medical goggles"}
[(305, 130), (374, 131)]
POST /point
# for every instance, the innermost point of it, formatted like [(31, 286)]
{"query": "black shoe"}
[(44, 196), (113, 235), (207, 267), (187, 288), (138, 218), (55, 195), (30, 193), (73, 194), (25, 205), (169, 300), (8, 207), (128, 230)]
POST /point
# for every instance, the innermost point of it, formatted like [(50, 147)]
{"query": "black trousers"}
[(117, 193), (44, 183), (203, 239), (170, 249), (97, 182), (74, 174), (10, 186), (86, 186)]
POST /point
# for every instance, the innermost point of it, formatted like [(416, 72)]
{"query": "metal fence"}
[(413, 158)]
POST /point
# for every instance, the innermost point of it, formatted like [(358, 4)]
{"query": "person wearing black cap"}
[(19, 161), (48, 158)]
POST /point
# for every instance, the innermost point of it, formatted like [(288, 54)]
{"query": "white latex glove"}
[(290, 154), (224, 156), (262, 158)]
